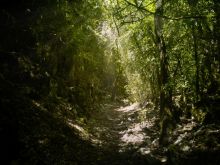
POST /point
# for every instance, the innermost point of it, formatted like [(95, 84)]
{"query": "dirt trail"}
[(126, 134)]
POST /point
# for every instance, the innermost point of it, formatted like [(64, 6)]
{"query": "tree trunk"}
[(163, 56), (164, 98)]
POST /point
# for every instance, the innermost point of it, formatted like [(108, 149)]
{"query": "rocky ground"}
[(129, 135), (116, 134)]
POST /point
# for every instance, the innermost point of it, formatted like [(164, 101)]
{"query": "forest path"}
[(126, 133)]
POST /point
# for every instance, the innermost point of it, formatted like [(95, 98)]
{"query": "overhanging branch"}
[(164, 16)]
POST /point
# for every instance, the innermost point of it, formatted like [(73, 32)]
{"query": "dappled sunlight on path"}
[(124, 129), (130, 108), (135, 132)]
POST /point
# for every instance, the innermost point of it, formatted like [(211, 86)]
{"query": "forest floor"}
[(50, 132), (127, 134)]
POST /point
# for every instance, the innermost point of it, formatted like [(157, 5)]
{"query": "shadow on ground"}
[(125, 134)]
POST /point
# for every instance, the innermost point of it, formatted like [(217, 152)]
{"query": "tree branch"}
[(132, 21), (164, 16)]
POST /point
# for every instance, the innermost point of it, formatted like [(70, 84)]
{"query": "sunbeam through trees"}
[(100, 82)]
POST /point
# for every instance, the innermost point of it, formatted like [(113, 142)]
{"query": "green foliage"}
[(53, 66), (66, 57), (173, 56), (70, 43)]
